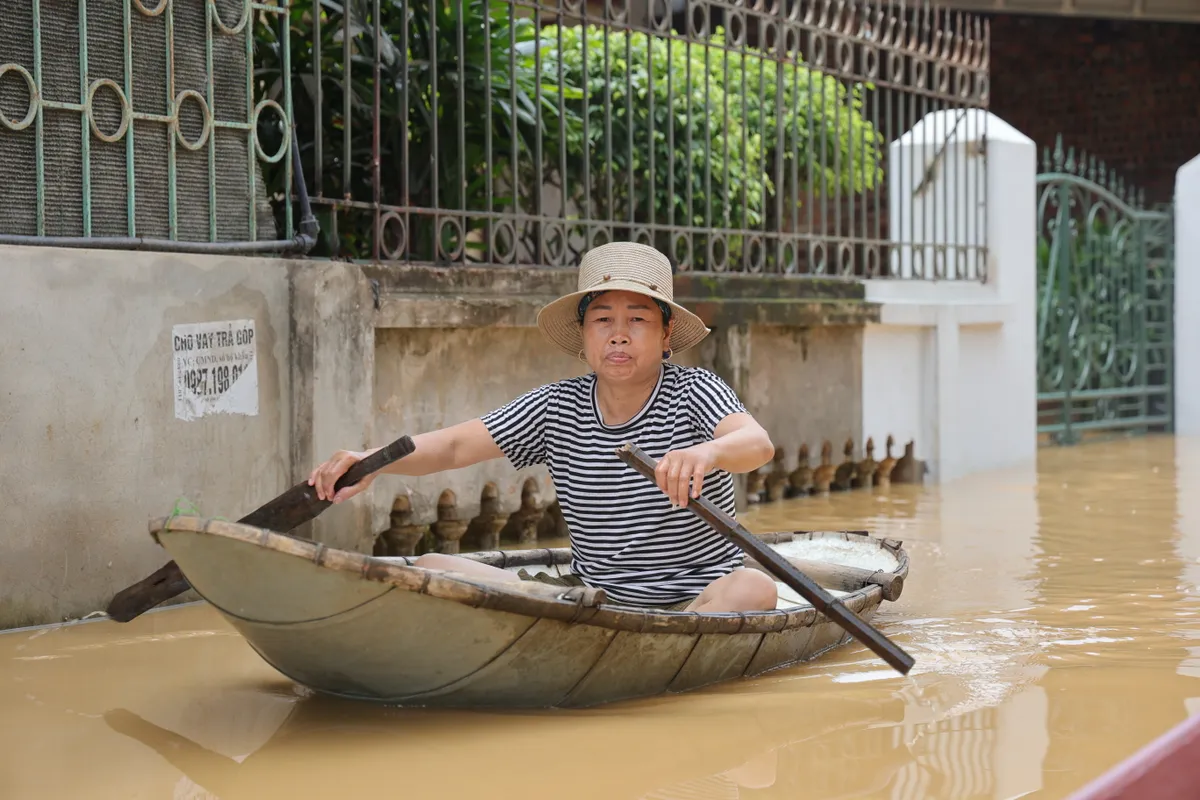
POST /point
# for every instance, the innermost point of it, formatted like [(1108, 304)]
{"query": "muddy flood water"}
[(1053, 617)]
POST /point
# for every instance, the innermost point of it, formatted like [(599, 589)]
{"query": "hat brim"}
[(559, 320)]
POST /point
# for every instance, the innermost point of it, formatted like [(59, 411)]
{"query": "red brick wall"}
[(1127, 91)]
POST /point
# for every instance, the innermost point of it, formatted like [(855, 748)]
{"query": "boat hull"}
[(383, 631), (1167, 768)]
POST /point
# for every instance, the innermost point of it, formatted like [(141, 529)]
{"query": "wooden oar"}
[(780, 567), (294, 507)]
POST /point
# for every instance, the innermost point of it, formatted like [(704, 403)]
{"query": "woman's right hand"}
[(326, 475)]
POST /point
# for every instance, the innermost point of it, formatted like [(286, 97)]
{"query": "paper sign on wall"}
[(216, 371)]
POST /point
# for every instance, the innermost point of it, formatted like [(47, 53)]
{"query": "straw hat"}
[(620, 266)]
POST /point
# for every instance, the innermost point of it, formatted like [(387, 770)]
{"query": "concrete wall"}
[(806, 386), (953, 364), (90, 445), (429, 378)]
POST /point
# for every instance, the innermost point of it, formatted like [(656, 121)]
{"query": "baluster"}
[(448, 529)]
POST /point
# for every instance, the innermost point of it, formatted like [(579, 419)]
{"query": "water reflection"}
[(326, 745), (835, 747), (1112, 592), (1052, 616), (968, 700), (1187, 500)]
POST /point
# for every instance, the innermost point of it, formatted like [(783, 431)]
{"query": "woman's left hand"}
[(679, 468)]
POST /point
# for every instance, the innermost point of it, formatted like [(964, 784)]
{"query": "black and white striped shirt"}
[(625, 537)]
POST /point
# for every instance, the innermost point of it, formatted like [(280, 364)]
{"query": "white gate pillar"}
[(953, 363), (1187, 296)]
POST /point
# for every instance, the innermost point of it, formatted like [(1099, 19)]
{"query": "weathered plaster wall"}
[(333, 369), (806, 386), (429, 378), (90, 447)]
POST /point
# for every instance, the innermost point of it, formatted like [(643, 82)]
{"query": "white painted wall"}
[(952, 363), (1187, 293)]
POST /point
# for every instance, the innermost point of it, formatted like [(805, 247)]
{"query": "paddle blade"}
[(286, 512), (135, 600)]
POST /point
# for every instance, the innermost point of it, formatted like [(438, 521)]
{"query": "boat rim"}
[(584, 605)]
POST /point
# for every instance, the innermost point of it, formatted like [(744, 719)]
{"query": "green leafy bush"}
[(705, 117)]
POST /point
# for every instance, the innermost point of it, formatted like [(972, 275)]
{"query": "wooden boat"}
[(382, 630), (1167, 768)]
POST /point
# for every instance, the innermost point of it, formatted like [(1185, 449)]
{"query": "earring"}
[(580, 357), (667, 354)]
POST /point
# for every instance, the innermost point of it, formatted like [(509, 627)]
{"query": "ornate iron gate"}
[(1105, 303)]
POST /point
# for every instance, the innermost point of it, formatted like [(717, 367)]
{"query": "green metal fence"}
[(1105, 302), (736, 136), (140, 123)]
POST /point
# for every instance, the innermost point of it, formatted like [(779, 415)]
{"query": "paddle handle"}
[(780, 567), (375, 462), (300, 504)]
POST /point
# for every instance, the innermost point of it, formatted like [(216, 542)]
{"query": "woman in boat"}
[(638, 542)]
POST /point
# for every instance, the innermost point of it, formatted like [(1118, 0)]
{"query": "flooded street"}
[(1053, 617)]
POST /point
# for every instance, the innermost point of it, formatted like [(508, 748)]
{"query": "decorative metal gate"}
[(1105, 303)]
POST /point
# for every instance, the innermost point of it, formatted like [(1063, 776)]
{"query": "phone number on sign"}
[(214, 381)]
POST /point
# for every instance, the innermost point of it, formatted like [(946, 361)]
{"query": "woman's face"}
[(623, 336)]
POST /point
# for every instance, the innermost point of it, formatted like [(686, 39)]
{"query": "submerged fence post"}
[(1187, 294)]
